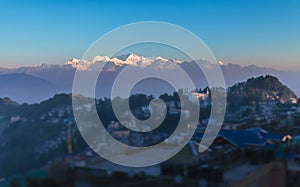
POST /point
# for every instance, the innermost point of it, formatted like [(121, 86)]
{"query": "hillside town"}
[(261, 138)]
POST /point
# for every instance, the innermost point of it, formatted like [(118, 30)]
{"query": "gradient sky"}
[(260, 32)]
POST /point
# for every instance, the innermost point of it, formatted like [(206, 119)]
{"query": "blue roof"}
[(242, 138), (256, 137), (267, 135)]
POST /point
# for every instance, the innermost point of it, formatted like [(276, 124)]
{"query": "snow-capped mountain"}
[(59, 78), (126, 59)]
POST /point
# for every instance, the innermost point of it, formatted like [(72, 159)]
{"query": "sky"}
[(261, 32)]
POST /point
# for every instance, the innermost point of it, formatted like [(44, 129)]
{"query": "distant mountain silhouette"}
[(7, 102), (26, 88)]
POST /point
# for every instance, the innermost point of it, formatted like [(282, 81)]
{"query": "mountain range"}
[(37, 83)]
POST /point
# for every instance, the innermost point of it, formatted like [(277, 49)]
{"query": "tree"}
[(14, 183)]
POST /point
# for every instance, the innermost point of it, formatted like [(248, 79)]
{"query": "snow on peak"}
[(126, 59), (176, 61), (82, 64), (131, 59), (100, 59), (221, 63), (72, 61), (79, 64), (159, 58)]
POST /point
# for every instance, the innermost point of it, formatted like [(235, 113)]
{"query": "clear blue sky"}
[(262, 32)]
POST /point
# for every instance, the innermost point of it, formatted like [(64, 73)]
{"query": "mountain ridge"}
[(61, 76), (259, 89)]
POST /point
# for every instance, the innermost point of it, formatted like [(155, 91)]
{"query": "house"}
[(249, 138), (254, 137)]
